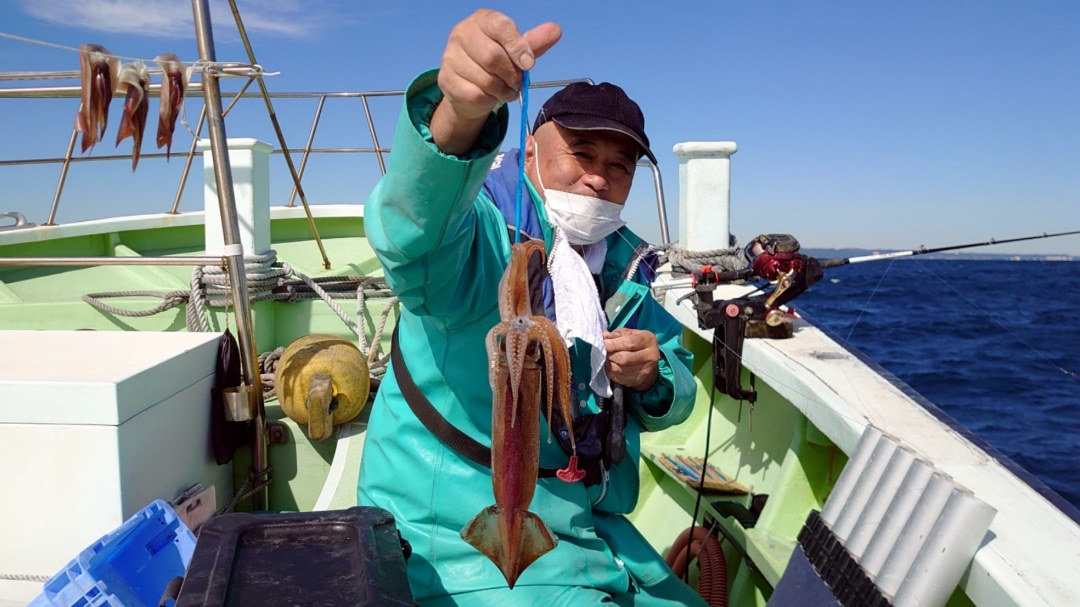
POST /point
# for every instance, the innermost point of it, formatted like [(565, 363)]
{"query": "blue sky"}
[(866, 124)]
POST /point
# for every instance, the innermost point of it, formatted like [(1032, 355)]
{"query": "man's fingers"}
[(481, 66), (636, 377), (634, 358), (522, 49), (501, 29), (469, 83), (621, 340), (491, 69), (540, 39)]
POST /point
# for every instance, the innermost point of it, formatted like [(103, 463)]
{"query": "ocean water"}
[(994, 344)]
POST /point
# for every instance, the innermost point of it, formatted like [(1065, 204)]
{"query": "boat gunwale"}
[(152, 221), (1029, 478), (996, 574)]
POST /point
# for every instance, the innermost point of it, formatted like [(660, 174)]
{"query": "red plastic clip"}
[(571, 473)]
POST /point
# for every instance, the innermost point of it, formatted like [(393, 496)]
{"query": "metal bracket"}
[(277, 433), (239, 404)]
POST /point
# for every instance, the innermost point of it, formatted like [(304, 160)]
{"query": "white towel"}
[(577, 304)]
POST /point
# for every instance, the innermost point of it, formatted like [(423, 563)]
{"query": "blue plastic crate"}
[(129, 567)]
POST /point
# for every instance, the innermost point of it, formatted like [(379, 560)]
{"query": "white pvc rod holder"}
[(849, 477), (915, 533), (908, 495), (860, 495), (948, 550), (877, 506)]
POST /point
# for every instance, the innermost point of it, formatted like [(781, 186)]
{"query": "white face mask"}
[(584, 219)]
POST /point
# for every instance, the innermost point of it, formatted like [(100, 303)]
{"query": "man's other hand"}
[(632, 357)]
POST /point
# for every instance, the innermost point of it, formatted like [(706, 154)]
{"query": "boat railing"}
[(195, 90)]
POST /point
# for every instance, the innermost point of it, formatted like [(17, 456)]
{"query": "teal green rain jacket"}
[(444, 247)]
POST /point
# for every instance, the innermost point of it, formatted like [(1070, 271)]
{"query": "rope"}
[(361, 306), (259, 273), (684, 261), (218, 66), (268, 370), (24, 577), (268, 360), (376, 367), (268, 279), (242, 493), (349, 322), (195, 313), (171, 300)]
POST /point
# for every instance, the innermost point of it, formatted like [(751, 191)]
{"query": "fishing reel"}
[(774, 257)]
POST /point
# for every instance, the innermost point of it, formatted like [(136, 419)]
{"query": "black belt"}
[(446, 432)]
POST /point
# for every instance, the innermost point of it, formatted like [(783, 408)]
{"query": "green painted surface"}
[(51, 298), (772, 449)]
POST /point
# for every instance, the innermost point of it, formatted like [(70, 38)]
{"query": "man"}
[(442, 236)]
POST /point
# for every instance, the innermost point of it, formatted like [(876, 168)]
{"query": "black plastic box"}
[(353, 557)]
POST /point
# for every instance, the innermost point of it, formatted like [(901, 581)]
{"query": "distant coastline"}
[(953, 256)]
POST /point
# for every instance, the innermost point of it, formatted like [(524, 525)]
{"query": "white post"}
[(704, 194), (250, 161)]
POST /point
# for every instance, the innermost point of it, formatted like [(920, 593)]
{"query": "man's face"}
[(595, 163)]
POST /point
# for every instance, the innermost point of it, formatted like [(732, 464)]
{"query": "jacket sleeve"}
[(671, 399), (423, 220)]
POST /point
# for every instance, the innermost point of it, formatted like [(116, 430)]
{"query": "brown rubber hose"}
[(712, 580)]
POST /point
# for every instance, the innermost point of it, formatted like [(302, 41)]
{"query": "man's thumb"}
[(542, 37)]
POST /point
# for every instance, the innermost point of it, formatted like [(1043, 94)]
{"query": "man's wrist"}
[(648, 381), (454, 134)]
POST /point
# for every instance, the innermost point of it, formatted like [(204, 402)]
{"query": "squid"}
[(136, 79), (98, 73), (526, 354), (173, 84)]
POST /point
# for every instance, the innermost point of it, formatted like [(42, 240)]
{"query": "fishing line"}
[(37, 42), (701, 479), (866, 305), (523, 97), (990, 316), (221, 66)]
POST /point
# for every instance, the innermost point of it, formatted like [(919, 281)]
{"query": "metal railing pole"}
[(307, 148), (187, 162), (201, 260), (661, 207), (51, 221), (280, 136), (260, 463), (374, 135)]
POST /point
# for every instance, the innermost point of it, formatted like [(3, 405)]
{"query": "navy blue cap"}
[(584, 106)]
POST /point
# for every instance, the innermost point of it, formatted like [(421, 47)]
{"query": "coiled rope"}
[(270, 280), (685, 261)]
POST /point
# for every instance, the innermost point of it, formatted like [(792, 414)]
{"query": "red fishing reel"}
[(775, 254), (774, 257)]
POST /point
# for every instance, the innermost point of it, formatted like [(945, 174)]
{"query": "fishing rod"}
[(840, 261), (792, 246), (776, 258)]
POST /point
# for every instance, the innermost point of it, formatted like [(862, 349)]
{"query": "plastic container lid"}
[(353, 557)]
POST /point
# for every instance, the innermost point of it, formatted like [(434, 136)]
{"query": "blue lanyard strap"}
[(521, 153)]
